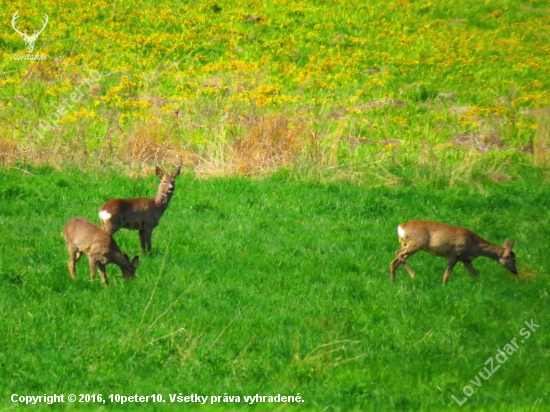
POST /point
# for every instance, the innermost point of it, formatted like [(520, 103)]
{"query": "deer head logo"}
[(29, 40)]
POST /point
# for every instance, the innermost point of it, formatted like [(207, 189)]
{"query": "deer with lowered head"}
[(141, 214), (83, 237), (456, 244)]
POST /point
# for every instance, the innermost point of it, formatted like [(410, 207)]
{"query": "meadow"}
[(246, 87), (307, 132), (271, 286)]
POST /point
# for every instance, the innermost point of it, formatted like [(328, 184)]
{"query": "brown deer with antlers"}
[(83, 237), (141, 214), (456, 244)]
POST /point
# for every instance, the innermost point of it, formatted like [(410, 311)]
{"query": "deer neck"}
[(489, 250), (118, 258), (161, 200)]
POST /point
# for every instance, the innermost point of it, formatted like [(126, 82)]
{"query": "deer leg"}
[(395, 263), (402, 256), (92, 267), (142, 240), (450, 265), (71, 263), (409, 269), (148, 239), (145, 239), (103, 274), (74, 255), (393, 266), (110, 227), (468, 265)]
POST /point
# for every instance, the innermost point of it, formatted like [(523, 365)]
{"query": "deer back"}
[(89, 238), (438, 238), (132, 213)]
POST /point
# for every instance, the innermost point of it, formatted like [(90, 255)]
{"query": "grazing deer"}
[(141, 214), (83, 237), (454, 243)]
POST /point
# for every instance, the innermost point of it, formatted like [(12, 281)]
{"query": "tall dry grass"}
[(249, 141)]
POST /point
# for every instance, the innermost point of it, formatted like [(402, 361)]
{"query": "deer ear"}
[(127, 257), (135, 261), (159, 172), (508, 246), (176, 172)]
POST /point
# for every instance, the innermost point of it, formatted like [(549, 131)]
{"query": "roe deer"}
[(141, 214), (83, 237), (454, 243)]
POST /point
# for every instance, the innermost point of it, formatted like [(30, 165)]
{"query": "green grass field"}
[(273, 286)]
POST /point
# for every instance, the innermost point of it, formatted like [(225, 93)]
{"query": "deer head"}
[(508, 258), (29, 40), (167, 184)]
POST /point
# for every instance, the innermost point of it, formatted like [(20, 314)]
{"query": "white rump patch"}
[(104, 215), (400, 232)]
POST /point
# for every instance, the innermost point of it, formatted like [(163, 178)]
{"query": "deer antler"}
[(15, 17)]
